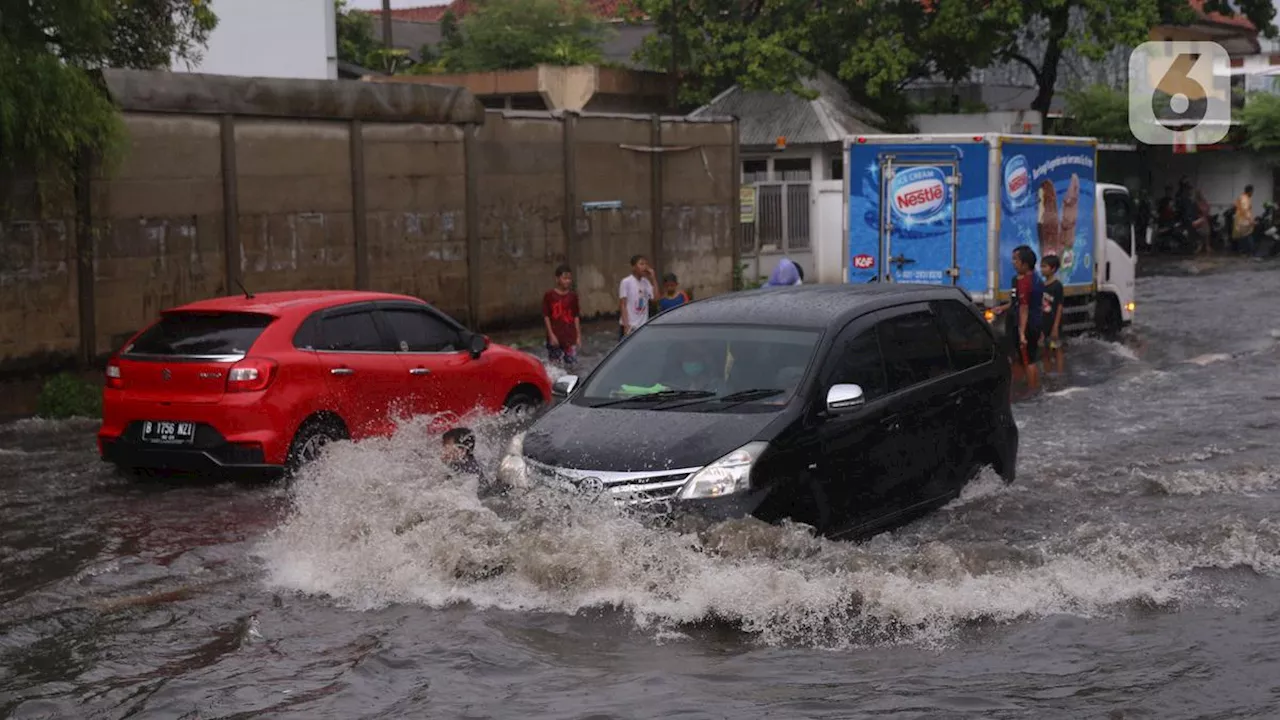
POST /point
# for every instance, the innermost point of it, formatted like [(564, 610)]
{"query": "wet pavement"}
[(1133, 571)]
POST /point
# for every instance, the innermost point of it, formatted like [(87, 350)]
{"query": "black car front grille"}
[(624, 488)]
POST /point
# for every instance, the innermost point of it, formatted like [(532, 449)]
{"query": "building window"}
[(836, 166), (754, 171), (792, 170)]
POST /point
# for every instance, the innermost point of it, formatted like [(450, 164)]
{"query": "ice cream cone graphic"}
[(1047, 219), (1070, 210)]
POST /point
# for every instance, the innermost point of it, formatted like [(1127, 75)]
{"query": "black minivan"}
[(848, 408)]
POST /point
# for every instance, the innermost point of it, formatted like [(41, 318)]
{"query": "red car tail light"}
[(114, 380), (251, 375)]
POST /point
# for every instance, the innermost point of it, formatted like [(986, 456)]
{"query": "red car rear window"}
[(197, 334)]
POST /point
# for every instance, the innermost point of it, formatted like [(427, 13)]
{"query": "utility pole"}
[(386, 24)]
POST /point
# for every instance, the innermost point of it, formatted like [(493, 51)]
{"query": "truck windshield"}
[(703, 368)]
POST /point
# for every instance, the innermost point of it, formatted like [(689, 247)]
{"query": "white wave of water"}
[(380, 522)]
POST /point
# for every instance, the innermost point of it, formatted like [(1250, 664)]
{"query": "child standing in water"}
[(635, 292), (562, 318), (1052, 313)]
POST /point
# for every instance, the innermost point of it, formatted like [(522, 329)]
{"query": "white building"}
[(271, 38)]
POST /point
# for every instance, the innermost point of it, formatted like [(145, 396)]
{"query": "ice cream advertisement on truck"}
[(1048, 204)]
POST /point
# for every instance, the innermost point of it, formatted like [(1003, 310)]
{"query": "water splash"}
[(383, 522)]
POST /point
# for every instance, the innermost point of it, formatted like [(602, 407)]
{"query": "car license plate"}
[(166, 432)]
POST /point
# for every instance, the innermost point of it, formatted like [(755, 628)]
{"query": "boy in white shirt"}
[(635, 292)]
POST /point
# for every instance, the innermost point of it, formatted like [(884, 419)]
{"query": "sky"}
[(376, 4)]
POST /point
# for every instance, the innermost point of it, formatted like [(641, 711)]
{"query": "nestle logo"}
[(1017, 180), (919, 194), (921, 197)]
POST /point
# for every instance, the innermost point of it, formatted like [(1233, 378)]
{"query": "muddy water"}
[(1132, 571)]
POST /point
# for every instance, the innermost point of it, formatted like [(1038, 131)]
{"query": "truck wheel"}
[(1108, 317)]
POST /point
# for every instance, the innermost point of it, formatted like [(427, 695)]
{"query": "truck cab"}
[(1117, 258)]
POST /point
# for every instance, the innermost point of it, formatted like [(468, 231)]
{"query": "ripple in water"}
[(381, 522)]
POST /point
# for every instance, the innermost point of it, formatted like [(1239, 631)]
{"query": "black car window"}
[(196, 334), (418, 331), (969, 342), (913, 350), (352, 332), (856, 360)]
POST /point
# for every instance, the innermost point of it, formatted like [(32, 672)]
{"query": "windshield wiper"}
[(744, 396), (752, 394), (658, 396)]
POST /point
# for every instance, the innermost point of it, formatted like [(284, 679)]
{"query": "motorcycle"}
[(1176, 238), (1266, 236)]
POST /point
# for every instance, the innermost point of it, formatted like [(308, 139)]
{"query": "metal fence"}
[(782, 218)]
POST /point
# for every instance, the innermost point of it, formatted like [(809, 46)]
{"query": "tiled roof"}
[(1239, 21), (430, 13), (604, 9), (764, 116)]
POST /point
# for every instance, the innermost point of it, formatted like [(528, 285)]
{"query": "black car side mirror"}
[(844, 398), (477, 344)]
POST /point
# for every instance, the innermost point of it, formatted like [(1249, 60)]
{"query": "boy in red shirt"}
[(562, 318)]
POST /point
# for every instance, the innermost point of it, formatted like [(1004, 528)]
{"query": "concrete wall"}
[(486, 243), (158, 224), (39, 320), (417, 223)]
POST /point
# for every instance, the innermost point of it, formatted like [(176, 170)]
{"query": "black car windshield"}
[(703, 368)]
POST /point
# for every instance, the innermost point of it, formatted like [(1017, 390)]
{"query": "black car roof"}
[(803, 305)]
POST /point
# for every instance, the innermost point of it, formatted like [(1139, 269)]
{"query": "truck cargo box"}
[(950, 209)]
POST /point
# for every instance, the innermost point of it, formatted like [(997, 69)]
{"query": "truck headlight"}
[(728, 475), (513, 471)]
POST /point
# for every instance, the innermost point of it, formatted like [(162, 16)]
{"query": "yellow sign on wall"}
[(747, 205)]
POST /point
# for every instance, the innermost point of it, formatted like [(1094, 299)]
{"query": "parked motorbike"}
[(1176, 238), (1266, 236)]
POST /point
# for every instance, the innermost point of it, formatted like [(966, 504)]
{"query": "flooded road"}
[(1133, 571)]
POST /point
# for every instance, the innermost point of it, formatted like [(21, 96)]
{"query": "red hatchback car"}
[(261, 382)]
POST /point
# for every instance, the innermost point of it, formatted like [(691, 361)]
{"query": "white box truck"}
[(950, 209)]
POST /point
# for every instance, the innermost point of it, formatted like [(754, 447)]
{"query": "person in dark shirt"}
[(563, 319), (1023, 313), (1051, 313), (459, 453)]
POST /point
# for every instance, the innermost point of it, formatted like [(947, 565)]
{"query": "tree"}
[(54, 106), (1099, 111), (1093, 28), (878, 47), (1261, 120), (714, 44), (355, 34), (875, 47), (516, 34)]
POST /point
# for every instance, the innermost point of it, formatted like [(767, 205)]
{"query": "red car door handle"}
[(342, 371), (419, 371)]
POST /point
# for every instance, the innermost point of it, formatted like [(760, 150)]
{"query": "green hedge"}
[(66, 395)]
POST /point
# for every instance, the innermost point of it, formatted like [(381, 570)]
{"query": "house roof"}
[(435, 13), (764, 116), (1238, 21)]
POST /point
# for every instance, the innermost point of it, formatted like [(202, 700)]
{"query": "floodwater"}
[(1133, 571)]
